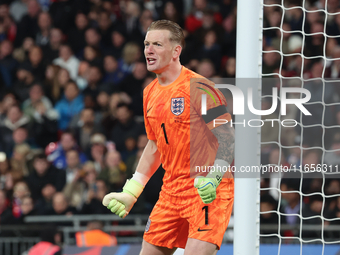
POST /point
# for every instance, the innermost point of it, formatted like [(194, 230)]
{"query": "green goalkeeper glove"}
[(121, 203), (206, 186)]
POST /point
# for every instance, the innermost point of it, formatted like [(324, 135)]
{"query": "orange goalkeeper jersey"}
[(173, 118)]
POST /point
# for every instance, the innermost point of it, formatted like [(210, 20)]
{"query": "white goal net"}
[(300, 208)]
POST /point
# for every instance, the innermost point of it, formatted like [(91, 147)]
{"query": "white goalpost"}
[(247, 139)]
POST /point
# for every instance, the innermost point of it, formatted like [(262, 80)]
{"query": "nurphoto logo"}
[(238, 105)]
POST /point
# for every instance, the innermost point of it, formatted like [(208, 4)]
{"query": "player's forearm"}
[(150, 160), (226, 139)]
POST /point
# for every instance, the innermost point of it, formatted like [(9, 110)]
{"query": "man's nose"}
[(149, 49)]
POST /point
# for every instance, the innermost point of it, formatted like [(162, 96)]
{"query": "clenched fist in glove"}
[(121, 203)]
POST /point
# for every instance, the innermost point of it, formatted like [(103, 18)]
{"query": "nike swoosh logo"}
[(149, 109), (199, 229)]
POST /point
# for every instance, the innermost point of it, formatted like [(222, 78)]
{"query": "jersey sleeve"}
[(149, 132), (216, 106)]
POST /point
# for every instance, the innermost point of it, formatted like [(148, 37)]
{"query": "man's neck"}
[(170, 75)]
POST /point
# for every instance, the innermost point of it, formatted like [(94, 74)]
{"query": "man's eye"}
[(158, 44)]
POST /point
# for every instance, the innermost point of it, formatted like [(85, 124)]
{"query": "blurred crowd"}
[(72, 74)]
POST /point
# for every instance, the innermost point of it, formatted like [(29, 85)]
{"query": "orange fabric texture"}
[(170, 225), (95, 237), (183, 138), (173, 118)]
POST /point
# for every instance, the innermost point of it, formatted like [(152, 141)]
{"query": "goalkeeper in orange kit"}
[(191, 213)]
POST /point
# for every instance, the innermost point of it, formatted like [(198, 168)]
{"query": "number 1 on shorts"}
[(206, 208)]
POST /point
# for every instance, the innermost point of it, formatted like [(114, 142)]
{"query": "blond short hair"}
[(176, 32)]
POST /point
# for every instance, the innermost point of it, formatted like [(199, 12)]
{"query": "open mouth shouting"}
[(151, 61)]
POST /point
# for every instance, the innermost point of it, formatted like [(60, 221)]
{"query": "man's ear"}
[(177, 51)]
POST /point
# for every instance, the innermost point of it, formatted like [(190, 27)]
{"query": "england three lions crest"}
[(177, 105)]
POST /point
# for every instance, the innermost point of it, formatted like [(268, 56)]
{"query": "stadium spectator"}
[(209, 24), (332, 158), (35, 61), (25, 80), (130, 145), (95, 194), (103, 105), (271, 60), (14, 119), (50, 83), (105, 28), (44, 204), (132, 85), (268, 203), (309, 211), (76, 36), (112, 74), (210, 49), (43, 174), (194, 19), (20, 191), (282, 37), (93, 38), (94, 235), (8, 100), (83, 75), (170, 12), (44, 127), (126, 126), (51, 49), (67, 60), (131, 54), (49, 238), (114, 171), (61, 205), (57, 88), (62, 13), (132, 160), (45, 25), (19, 161), (28, 25), (230, 69), (110, 117), (85, 128), (67, 143), (290, 188), (91, 55), (118, 40), (36, 95), (98, 151), (93, 82), (8, 64), (26, 208), (75, 186), (145, 20), (19, 136), (5, 210), (315, 41), (130, 17), (70, 105), (206, 68), (6, 175), (334, 27)]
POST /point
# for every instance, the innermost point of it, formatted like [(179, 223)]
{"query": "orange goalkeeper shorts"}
[(170, 225)]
